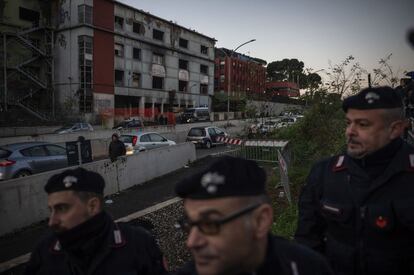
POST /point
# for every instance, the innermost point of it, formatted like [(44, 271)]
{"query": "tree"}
[(285, 70), (292, 70)]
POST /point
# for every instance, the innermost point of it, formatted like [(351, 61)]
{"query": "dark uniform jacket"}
[(360, 213), (124, 250), (282, 258)]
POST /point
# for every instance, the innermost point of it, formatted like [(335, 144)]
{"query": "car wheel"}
[(208, 144), (23, 173)]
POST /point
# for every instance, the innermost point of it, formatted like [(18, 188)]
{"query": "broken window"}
[(137, 27), (182, 86), (29, 15), (157, 59), (203, 89), (136, 77), (183, 64), (203, 69), (136, 53), (204, 49), (119, 50), (119, 23), (119, 78), (157, 35), (183, 43), (157, 82)]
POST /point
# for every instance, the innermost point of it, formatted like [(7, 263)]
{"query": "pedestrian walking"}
[(84, 239), (228, 217), (357, 208), (116, 148)]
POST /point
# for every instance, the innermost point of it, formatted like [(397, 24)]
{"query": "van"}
[(196, 114)]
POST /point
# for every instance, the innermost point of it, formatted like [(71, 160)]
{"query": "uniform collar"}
[(114, 240)]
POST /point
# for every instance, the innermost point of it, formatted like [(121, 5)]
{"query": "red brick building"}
[(247, 74), (283, 88)]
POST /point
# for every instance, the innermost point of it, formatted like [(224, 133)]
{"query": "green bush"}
[(318, 135)]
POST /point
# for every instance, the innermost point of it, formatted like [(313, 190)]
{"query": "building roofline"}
[(165, 20), (253, 59)]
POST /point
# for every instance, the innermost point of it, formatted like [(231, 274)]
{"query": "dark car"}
[(27, 158), (205, 136), (195, 114)]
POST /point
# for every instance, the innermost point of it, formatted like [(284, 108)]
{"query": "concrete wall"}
[(23, 201)]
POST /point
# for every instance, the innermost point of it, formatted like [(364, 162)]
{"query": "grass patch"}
[(285, 223)]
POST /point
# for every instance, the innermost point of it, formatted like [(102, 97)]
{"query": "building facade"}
[(108, 59), (238, 74), (282, 88), (115, 59)]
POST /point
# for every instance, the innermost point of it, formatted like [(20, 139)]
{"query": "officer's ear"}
[(94, 206), (262, 220), (397, 128)]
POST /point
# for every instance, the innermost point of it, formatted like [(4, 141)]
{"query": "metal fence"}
[(266, 151)]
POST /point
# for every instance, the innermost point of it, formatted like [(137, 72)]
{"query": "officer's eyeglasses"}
[(212, 227)]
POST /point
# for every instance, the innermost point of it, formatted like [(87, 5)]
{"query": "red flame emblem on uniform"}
[(381, 222)]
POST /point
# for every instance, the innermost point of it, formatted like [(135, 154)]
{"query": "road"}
[(122, 204)]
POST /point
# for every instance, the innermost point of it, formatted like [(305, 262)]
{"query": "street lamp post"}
[(229, 74)]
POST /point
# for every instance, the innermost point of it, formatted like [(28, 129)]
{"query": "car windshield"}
[(4, 153), (197, 132), (126, 138)]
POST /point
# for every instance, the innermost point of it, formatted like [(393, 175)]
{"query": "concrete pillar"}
[(142, 106), (153, 109)]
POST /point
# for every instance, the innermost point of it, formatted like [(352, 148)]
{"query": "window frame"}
[(118, 25), (118, 82), (180, 44), (155, 86), (156, 32), (134, 49)]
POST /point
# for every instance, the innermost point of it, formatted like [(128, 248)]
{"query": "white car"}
[(141, 141)]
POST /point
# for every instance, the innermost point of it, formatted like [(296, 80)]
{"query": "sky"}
[(317, 32)]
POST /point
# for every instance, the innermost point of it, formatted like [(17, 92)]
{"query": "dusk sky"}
[(313, 31)]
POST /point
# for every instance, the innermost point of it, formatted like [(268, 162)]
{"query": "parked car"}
[(205, 136), (195, 114), (73, 128), (129, 124), (141, 141), (27, 158), (286, 121)]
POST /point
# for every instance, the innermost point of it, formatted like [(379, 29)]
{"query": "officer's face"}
[(367, 131), (67, 210), (232, 249)]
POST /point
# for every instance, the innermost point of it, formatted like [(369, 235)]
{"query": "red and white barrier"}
[(230, 140)]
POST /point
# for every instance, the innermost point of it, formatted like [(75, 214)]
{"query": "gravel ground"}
[(171, 240)]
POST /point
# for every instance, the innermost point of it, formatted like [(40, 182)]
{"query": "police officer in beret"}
[(228, 217), (358, 207), (85, 239)]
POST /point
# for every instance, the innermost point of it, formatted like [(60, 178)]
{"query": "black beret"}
[(226, 177), (373, 98), (78, 179)]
